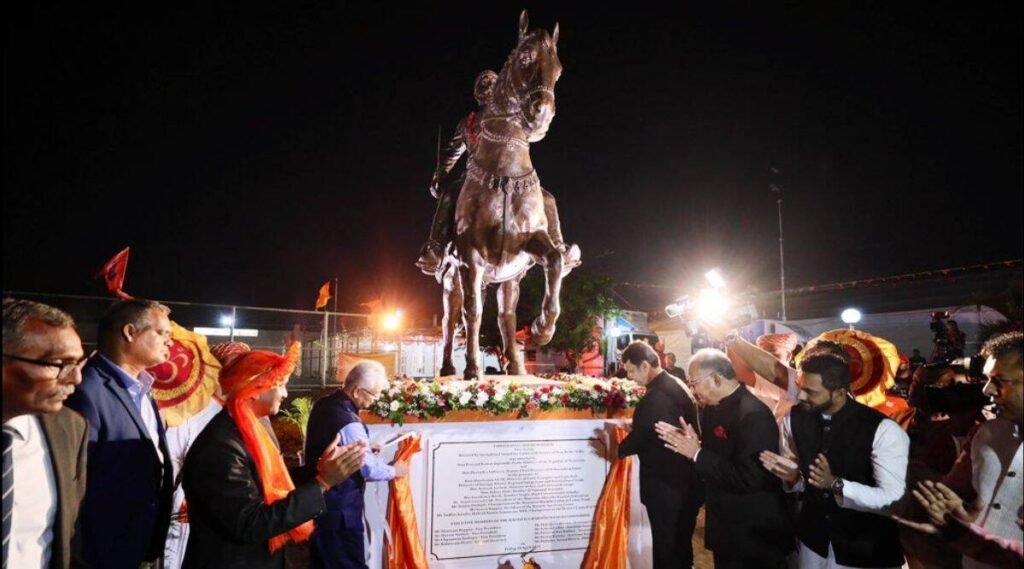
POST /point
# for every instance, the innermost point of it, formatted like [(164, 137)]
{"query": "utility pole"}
[(782, 263)]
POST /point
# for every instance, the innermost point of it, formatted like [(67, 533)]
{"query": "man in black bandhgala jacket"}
[(669, 488), (747, 521)]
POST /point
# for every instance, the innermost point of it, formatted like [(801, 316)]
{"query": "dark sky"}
[(247, 155)]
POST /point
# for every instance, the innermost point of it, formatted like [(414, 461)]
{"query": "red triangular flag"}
[(325, 293), (113, 274)]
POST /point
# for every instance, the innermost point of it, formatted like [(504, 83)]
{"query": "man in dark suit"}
[(338, 540), (44, 443), (128, 503), (747, 520), (242, 515), (668, 484)]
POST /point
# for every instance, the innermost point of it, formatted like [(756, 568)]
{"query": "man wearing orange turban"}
[(243, 505)]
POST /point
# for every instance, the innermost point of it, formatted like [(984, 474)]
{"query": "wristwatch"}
[(837, 490)]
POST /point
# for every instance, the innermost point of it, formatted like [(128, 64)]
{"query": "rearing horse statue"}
[(501, 229)]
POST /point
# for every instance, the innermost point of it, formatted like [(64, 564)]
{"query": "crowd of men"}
[(791, 469), (88, 475)]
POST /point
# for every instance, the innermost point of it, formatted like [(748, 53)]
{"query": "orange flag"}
[(325, 293), (609, 538), (404, 550), (113, 274)]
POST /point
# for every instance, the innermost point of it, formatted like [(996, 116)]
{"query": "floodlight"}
[(227, 320), (715, 278)]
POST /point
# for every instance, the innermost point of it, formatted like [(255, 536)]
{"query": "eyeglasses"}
[(64, 369), (372, 395)]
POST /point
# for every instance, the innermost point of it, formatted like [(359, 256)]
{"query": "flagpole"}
[(323, 351)]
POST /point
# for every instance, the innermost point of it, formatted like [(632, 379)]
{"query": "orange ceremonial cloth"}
[(246, 377), (184, 384), (609, 538), (404, 549), (873, 364)]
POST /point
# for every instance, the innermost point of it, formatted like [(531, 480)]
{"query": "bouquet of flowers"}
[(435, 400)]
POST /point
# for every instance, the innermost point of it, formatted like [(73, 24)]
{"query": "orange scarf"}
[(247, 377)]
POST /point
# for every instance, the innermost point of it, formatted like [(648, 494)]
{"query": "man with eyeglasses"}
[(44, 443), (747, 521), (337, 541), (127, 507)]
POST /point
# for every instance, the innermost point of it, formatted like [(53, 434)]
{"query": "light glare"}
[(850, 316), (711, 305)]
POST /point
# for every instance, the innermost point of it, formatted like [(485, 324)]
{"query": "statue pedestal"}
[(488, 488)]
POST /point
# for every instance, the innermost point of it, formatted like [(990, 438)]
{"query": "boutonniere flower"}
[(720, 432)]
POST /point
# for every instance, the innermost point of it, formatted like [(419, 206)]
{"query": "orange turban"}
[(246, 375), (777, 344)]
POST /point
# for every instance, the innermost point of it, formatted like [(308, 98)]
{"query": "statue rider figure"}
[(447, 184)]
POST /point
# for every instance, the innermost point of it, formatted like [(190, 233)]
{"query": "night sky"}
[(247, 155)]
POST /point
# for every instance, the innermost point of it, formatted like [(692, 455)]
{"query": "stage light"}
[(851, 316), (228, 321), (715, 278)]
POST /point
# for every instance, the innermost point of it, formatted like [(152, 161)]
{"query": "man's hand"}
[(681, 440), (401, 469), (338, 463), (434, 186), (940, 502), (783, 468), (821, 476)]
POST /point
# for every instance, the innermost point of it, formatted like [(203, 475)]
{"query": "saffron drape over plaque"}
[(609, 538), (185, 383), (873, 364), (404, 550)]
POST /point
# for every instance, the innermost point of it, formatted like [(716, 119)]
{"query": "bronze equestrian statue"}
[(504, 222)]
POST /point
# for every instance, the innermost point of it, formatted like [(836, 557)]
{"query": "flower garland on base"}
[(434, 400)]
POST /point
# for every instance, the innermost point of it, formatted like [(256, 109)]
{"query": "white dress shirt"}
[(889, 454), (35, 495)]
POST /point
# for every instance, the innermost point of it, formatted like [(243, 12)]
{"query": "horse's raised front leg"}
[(452, 297), (508, 298), (549, 257), (472, 273)]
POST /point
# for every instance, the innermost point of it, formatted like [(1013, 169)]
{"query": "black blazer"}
[(66, 434), (667, 479), (231, 524), (745, 507)]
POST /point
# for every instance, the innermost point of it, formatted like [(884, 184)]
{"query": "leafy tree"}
[(585, 297)]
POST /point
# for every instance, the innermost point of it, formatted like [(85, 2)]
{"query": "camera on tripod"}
[(712, 305)]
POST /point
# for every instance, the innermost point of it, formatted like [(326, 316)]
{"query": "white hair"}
[(366, 374), (710, 359)]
